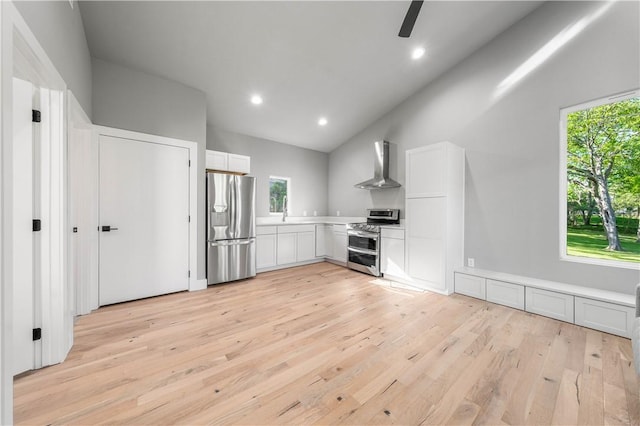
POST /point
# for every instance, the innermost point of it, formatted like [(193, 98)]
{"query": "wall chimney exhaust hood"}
[(381, 178)]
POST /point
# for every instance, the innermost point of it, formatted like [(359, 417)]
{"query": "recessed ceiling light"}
[(322, 121), (417, 53), (256, 99)]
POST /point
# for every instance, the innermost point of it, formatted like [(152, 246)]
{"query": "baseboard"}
[(196, 285)]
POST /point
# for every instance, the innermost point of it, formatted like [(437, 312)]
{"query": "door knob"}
[(108, 228)]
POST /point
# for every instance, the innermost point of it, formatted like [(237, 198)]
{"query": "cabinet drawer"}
[(266, 230), (392, 233), (507, 294), (470, 285), (550, 304), (603, 316), (289, 229)]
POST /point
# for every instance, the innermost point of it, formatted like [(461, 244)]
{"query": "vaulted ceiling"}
[(342, 60)]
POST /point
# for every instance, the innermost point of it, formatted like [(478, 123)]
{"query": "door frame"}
[(194, 283), (77, 119), (20, 51)]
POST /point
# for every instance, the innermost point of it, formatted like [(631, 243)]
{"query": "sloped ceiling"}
[(341, 60)]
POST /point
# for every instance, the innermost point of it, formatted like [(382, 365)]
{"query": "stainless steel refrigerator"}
[(231, 227)]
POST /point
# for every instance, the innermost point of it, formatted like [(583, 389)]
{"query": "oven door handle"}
[(362, 251), (364, 234)]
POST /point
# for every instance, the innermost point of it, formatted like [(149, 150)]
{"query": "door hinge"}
[(189, 219), (37, 334), (189, 163), (189, 273), (35, 116), (37, 225)]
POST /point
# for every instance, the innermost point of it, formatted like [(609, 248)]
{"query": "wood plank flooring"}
[(321, 344)]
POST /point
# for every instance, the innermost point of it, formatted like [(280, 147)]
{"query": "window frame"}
[(288, 195), (564, 112)]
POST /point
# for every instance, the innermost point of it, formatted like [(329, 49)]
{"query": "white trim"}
[(6, 290), (194, 283), (84, 257), (564, 112), (17, 41)]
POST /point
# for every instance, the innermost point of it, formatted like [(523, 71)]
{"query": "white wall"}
[(511, 139), (306, 168), (132, 100), (59, 30)]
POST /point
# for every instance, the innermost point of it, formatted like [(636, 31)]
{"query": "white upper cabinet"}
[(227, 162), (427, 171), (434, 215), (239, 163)]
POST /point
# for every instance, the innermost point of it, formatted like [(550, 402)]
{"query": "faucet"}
[(284, 208)]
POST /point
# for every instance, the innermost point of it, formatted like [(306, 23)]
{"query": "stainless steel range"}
[(364, 240)]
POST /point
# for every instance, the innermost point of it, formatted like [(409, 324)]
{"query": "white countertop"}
[(307, 220), (316, 220)]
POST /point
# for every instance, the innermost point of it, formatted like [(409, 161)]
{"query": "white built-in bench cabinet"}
[(602, 310)]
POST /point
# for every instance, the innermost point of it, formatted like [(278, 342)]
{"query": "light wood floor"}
[(321, 344)]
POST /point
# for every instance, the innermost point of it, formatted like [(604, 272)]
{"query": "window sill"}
[(601, 262)]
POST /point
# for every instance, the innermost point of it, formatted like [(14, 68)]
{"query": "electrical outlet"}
[(471, 262), (338, 213), (304, 213), (315, 213)]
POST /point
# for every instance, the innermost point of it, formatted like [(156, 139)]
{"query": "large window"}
[(279, 194), (600, 181)]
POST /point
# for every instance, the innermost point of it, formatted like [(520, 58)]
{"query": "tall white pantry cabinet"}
[(434, 215)]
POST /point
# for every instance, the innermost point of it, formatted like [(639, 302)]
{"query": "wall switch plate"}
[(471, 262)]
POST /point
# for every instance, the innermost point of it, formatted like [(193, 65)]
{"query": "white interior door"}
[(144, 198), (22, 202)]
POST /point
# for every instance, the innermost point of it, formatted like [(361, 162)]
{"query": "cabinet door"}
[(239, 163), (470, 285), (217, 160), (339, 247), (321, 241), (426, 223), (507, 294), (392, 256), (306, 246), (549, 303), (609, 317), (426, 170), (286, 251), (265, 251)]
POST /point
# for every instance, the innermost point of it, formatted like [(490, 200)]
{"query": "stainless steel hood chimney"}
[(381, 178)]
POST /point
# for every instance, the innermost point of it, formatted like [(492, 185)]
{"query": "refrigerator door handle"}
[(233, 213), (232, 243)]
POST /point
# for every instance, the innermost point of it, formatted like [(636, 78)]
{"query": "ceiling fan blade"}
[(410, 18)]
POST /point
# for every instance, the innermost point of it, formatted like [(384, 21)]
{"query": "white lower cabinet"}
[(266, 251), (266, 246), (305, 246), (286, 250), (614, 313), (392, 252), (324, 240), (296, 243), (550, 304), (470, 285), (339, 251), (609, 317), (507, 294)]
